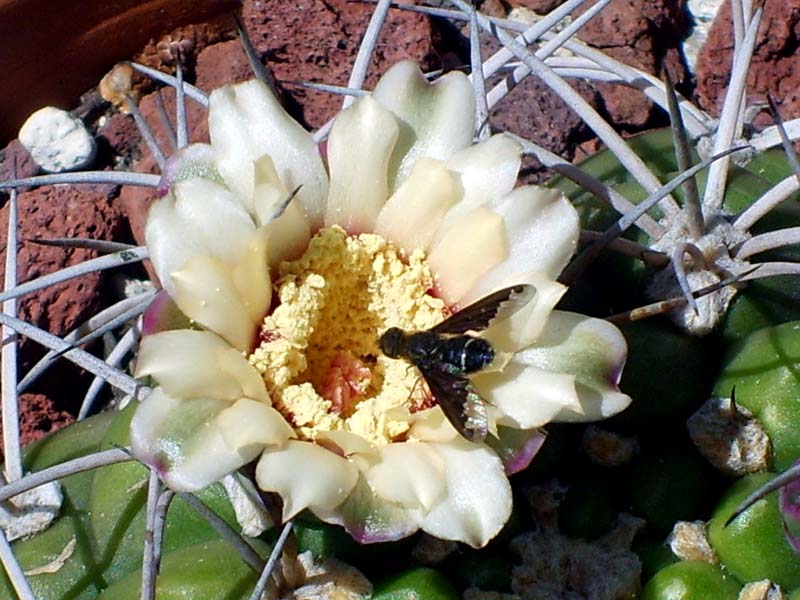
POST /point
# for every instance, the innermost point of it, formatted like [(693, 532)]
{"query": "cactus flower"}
[(399, 221)]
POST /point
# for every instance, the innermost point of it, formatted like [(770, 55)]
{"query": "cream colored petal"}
[(371, 519), (522, 328), (289, 235), (182, 441), (213, 213), (305, 476), (409, 473), (248, 422), (349, 443), (268, 190), (359, 147), (436, 119), (412, 215), (290, 232), (542, 229), (169, 241), (251, 278), (486, 171), (592, 351), (527, 397), (477, 501), (473, 245), (198, 217), (191, 364), (431, 426), (245, 122), (206, 293)]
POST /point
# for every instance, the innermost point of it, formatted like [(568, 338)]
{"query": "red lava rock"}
[(773, 69), (134, 203), (536, 113), (222, 63), (646, 34), (317, 40), (190, 39), (61, 211), (39, 416), (120, 137), (64, 211), (492, 8), (16, 162), (538, 6)]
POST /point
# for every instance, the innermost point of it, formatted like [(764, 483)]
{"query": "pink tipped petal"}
[(409, 473), (477, 501), (370, 519), (412, 215), (206, 293), (525, 396), (472, 246), (542, 230), (522, 328), (592, 351), (245, 122), (437, 119), (190, 364), (487, 171), (789, 503), (163, 315), (248, 423), (181, 440), (305, 476), (359, 147), (516, 447)]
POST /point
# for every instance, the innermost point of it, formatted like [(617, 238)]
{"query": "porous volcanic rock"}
[(77, 211), (317, 40), (533, 111), (16, 162), (538, 6), (773, 69), (648, 35), (39, 416)]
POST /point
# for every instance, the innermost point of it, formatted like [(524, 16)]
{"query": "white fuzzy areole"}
[(715, 245)]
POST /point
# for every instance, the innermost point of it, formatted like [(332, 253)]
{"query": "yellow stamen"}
[(335, 302)]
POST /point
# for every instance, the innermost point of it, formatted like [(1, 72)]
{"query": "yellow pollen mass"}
[(319, 355)]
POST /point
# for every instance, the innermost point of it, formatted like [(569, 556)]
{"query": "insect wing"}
[(477, 316), (462, 405)]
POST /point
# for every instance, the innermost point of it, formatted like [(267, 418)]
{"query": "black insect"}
[(446, 354)]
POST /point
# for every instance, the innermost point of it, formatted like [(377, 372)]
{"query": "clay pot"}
[(52, 51)]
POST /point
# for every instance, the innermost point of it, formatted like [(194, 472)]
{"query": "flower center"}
[(318, 351)]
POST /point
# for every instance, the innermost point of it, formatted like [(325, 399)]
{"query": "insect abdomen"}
[(470, 354)]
